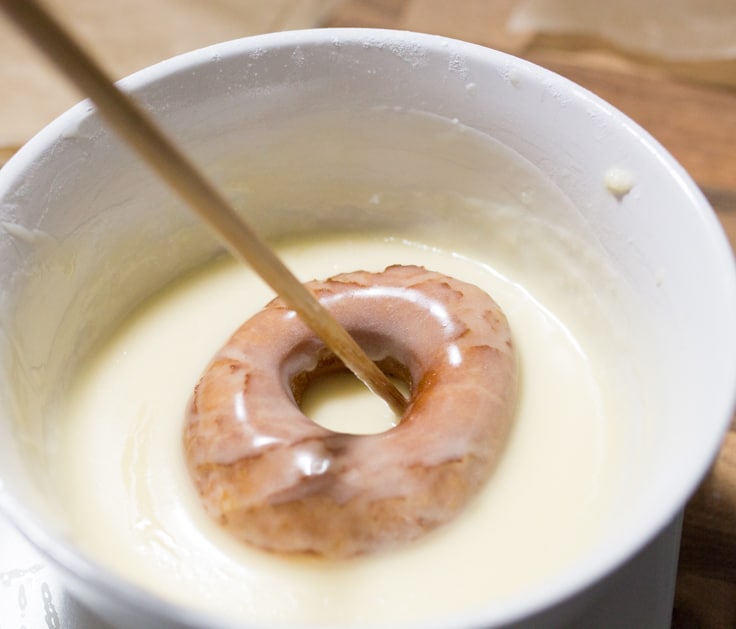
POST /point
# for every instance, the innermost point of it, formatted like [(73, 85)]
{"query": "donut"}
[(278, 481)]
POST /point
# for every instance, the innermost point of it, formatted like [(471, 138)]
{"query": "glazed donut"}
[(277, 480)]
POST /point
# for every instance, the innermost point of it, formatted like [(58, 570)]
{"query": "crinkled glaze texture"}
[(279, 481)]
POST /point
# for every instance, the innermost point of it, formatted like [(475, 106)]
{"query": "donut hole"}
[(334, 398)]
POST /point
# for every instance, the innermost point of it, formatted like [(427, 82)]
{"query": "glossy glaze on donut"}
[(279, 481)]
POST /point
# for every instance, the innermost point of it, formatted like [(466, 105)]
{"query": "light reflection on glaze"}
[(454, 355), (310, 465), (240, 410), (416, 297)]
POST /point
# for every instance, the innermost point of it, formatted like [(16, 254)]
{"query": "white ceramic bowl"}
[(74, 204)]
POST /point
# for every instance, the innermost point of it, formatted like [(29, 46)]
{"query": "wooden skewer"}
[(135, 126)]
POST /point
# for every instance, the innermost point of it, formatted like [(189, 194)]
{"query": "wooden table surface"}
[(696, 121)]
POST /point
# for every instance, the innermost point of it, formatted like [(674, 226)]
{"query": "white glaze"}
[(133, 506)]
